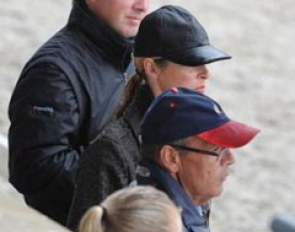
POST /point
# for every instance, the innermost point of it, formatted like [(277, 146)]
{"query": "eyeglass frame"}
[(205, 152)]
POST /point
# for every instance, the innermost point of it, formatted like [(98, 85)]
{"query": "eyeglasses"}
[(206, 152)]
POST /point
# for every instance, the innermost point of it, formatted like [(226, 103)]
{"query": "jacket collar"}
[(116, 47), (191, 217)]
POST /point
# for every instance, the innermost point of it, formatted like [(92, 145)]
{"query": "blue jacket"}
[(150, 173)]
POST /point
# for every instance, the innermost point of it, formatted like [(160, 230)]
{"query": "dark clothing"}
[(109, 163), (66, 94), (194, 218)]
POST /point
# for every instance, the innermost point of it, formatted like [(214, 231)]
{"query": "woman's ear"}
[(150, 68), (152, 72), (169, 159)]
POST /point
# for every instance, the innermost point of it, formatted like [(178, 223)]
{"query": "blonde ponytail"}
[(92, 221), (137, 209)]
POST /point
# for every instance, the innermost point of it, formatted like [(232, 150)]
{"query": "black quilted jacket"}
[(66, 94)]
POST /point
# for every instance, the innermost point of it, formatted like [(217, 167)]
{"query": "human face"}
[(124, 16), (176, 75), (202, 175)]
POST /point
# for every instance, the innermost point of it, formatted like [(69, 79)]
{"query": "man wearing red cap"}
[(186, 142)]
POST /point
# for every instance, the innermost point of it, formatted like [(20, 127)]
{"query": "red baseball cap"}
[(232, 134)]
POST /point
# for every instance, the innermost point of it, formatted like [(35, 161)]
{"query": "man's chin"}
[(219, 191), (129, 31)]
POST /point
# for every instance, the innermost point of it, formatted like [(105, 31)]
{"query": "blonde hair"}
[(140, 209)]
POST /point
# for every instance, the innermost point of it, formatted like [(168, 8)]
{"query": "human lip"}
[(201, 89), (134, 18), (224, 177)]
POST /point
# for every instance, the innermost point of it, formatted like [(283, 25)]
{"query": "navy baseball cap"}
[(180, 113), (173, 33)]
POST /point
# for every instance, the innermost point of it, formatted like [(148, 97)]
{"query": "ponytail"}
[(92, 221), (137, 209)]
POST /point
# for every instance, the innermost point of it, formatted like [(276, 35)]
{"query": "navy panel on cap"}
[(181, 113), (174, 116)]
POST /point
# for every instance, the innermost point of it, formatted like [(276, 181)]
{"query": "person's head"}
[(124, 16), (189, 135), (140, 209), (175, 52)]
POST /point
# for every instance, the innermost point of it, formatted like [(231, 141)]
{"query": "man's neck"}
[(196, 199)]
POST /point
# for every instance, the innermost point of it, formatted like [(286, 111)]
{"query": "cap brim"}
[(198, 56), (230, 135)]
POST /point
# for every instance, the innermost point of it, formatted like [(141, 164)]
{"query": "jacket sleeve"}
[(43, 150), (103, 170)]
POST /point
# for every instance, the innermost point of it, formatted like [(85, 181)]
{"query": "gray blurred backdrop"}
[(256, 86)]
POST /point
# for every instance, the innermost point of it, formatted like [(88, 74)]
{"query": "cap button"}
[(172, 105), (174, 90)]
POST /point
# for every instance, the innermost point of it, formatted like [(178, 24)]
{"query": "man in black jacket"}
[(66, 94)]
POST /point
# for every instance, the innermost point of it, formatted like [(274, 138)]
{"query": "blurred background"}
[(256, 86)]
